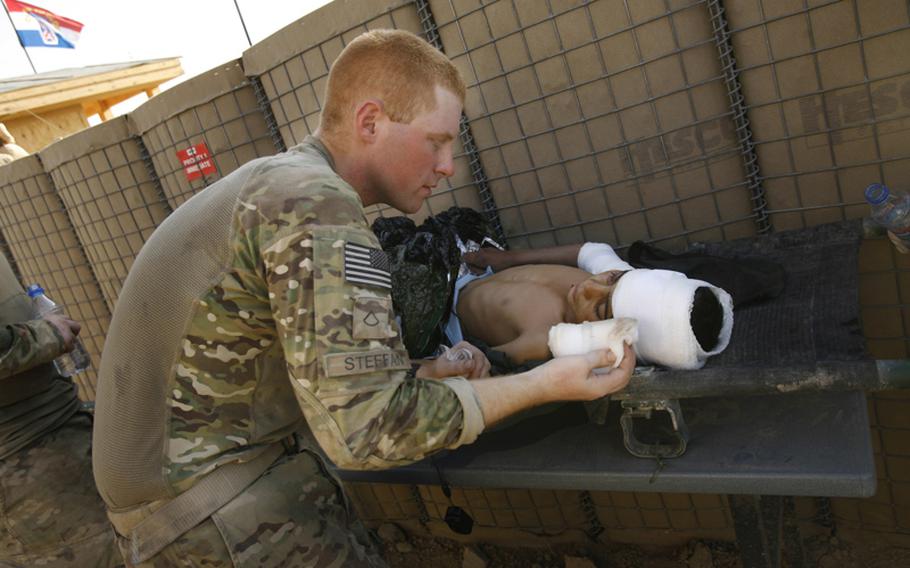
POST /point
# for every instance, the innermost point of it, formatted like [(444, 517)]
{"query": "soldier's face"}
[(415, 157)]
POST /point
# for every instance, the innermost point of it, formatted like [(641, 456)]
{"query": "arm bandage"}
[(600, 257), (579, 338)]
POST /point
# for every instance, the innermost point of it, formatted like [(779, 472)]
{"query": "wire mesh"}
[(884, 299), (293, 67), (113, 202), (600, 121), (218, 108), (8, 255), (828, 92), (47, 251), (548, 512)]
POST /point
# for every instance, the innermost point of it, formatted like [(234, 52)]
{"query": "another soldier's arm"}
[(27, 344)]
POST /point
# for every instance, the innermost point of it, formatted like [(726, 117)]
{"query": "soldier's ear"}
[(366, 117)]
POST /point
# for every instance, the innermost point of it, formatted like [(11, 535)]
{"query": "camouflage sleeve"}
[(33, 343), (344, 353)]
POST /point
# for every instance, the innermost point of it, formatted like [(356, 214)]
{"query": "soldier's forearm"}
[(31, 343), (502, 396)]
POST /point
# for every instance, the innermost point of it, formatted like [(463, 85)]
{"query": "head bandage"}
[(579, 338), (662, 301)]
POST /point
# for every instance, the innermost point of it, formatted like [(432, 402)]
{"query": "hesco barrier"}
[(47, 251), (112, 199), (600, 121), (202, 129), (293, 66), (827, 89)]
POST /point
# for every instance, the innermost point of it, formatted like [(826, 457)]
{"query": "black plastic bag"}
[(425, 261)]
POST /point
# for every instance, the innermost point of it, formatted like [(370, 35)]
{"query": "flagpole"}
[(242, 23), (25, 51)]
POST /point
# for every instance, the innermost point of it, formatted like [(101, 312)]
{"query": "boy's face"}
[(591, 298), (414, 157)]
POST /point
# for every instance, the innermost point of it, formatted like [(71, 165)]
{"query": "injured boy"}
[(521, 295)]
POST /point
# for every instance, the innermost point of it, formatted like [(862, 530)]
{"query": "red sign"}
[(196, 161)]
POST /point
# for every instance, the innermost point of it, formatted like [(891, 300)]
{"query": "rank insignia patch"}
[(366, 266)]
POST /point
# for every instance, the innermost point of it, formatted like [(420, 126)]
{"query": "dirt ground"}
[(821, 552)]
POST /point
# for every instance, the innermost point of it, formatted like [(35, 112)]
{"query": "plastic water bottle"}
[(890, 209), (76, 360)]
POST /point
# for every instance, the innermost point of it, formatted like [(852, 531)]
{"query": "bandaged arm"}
[(600, 257), (501, 259), (592, 257)]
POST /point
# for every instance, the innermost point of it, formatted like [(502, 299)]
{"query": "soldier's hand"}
[(68, 328), (573, 377), (462, 360)]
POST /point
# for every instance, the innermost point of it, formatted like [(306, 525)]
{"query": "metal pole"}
[(487, 201), (722, 38), (24, 50), (242, 23)]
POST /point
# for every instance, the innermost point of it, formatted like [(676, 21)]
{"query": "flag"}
[(366, 265), (37, 27)]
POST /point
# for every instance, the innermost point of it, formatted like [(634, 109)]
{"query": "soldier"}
[(9, 150), (51, 513), (261, 308)]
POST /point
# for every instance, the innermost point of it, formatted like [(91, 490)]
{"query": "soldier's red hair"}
[(394, 66)]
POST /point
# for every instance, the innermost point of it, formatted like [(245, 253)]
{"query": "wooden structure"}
[(39, 109)]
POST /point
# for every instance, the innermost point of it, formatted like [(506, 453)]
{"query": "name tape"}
[(341, 364)]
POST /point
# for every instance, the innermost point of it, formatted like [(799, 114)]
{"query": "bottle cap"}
[(876, 193), (34, 290)]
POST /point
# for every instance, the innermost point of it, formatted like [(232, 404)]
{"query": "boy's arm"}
[(502, 259), (592, 257), (529, 346)]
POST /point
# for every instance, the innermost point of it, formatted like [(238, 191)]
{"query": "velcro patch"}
[(366, 266), (341, 364), (371, 318)]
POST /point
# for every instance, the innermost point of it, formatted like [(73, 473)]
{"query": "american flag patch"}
[(364, 265)]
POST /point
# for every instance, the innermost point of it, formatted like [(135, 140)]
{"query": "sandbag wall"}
[(47, 251), (112, 198), (293, 66), (202, 129)]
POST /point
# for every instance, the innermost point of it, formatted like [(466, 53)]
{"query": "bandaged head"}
[(681, 322)]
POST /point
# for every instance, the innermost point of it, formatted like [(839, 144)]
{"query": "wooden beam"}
[(105, 113), (122, 82), (90, 107)]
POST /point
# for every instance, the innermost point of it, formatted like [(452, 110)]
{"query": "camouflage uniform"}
[(50, 512), (272, 331)]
